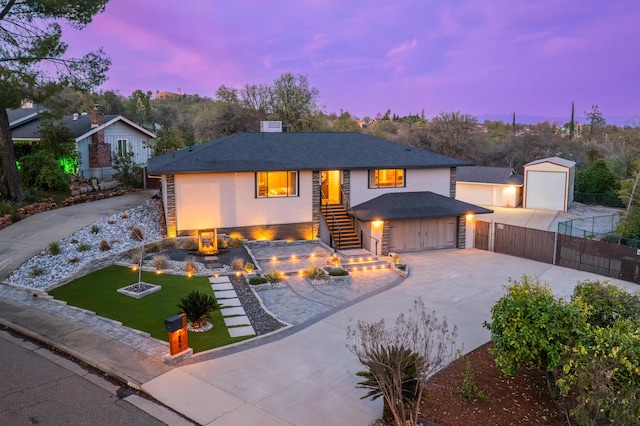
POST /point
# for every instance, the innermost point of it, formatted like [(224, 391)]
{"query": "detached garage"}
[(548, 184)]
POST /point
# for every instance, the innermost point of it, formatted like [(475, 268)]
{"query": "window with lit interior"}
[(276, 184), (386, 178)]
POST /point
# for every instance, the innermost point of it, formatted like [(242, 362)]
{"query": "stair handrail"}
[(325, 211), (348, 208)]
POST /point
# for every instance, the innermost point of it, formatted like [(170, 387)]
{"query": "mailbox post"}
[(178, 337)]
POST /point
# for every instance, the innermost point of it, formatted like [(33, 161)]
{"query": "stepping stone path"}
[(235, 317)]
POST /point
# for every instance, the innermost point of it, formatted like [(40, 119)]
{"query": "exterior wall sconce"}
[(377, 223), (470, 217)]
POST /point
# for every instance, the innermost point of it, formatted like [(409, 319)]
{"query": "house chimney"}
[(97, 117)]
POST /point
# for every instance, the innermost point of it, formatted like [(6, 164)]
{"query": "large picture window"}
[(276, 184), (386, 178)]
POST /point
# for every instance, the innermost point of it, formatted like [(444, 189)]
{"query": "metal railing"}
[(357, 224), (325, 211)]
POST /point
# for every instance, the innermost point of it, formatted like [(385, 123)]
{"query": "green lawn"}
[(97, 292)]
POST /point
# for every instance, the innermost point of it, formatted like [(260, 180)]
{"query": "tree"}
[(455, 134), (401, 358), (33, 65), (597, 179), (139, 107), (294, 102), (597, 123), (572, 123)]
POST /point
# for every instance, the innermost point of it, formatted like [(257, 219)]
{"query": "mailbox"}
[(173, 323)]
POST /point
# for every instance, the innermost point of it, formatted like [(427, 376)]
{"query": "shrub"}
[(8, 207), (36, 271), (54, 249), (198, 308), (274, 276), (236, 242), (313, 272), (257, 280), (237, 264), (74, 260), (606, 302), (42, 171), (190, 266), (152, 248), (401, 266), (190, 244), (94, 229), (128, 172), (74, 241), (137, 234), (396, 258), (124, 216), (160, 262), (469, 387), (111, 221), (170, 244), (222, 243), (335, 261), (104, 245), (136, 254), (249, 267), (83, 247), (338, 272)]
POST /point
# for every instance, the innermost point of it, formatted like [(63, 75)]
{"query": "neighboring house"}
[(489, 186), (549, 184), (99, 139), (293, 186)]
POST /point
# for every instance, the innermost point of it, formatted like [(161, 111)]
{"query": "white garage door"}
[(475, 194), (546, 190), (422, 234)]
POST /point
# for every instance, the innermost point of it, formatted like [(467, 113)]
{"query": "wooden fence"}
[(599, 257)]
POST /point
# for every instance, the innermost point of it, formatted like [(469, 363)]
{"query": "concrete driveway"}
[(307, 378), (28, 237)]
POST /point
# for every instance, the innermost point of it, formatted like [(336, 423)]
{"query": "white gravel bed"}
[(115, 229)]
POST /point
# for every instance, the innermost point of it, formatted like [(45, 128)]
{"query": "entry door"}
[(422, 234), (331, 186)]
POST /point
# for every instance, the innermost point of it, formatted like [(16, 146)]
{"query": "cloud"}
[(404, 47)]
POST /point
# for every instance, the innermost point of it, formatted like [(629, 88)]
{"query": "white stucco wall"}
[(548, 186), (434, 180), (221, 200), (488, 194)]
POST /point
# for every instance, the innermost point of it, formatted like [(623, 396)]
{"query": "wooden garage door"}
[(422, 234), (546, 190)]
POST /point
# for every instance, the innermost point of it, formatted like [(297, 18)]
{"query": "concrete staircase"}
[(363, 260), (340, 226)]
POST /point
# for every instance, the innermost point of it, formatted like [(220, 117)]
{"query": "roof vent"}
[(271, 126), (75, 116)]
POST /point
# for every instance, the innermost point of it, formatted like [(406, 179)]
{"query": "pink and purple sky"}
[(475, 56)]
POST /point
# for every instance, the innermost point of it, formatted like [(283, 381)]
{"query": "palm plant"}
[(198, 308)]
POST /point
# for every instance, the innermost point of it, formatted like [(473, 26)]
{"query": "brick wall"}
[(99, 152)]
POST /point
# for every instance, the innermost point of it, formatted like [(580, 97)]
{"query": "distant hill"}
[(617, 120)]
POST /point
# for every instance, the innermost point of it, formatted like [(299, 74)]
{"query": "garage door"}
[(546, 190), (475, 194), (422, 234)]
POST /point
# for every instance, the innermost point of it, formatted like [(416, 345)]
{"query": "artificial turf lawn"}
[(97, 292)]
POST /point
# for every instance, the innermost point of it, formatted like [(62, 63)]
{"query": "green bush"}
[(83, 247), (42, 171), (94, 229), (198, 308), (54, 248), (170, 244), (469, 387), (8, 207), (236, 242), (152, 248), (257, 280), (338, 272), (128, 173), (36, 271)]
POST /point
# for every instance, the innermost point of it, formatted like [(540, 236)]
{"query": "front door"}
[(331, 186)]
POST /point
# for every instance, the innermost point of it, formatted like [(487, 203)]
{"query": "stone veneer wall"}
[(384, 245), (315, 203), (462, 232), (452, 183), (346, 184), (171, 206), (286, 231)]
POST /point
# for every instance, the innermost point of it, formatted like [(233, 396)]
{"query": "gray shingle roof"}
[(554, 160), (413, 205), (79, 127), (297, 151), (495, 175)]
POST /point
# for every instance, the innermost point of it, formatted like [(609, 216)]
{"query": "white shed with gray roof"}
[(548, 184)]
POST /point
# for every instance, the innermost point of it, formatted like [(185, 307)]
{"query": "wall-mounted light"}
[(377, 223), (470, 217)]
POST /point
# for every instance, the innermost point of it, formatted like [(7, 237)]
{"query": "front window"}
[(122, 147), (276, 184), (386, 178)]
